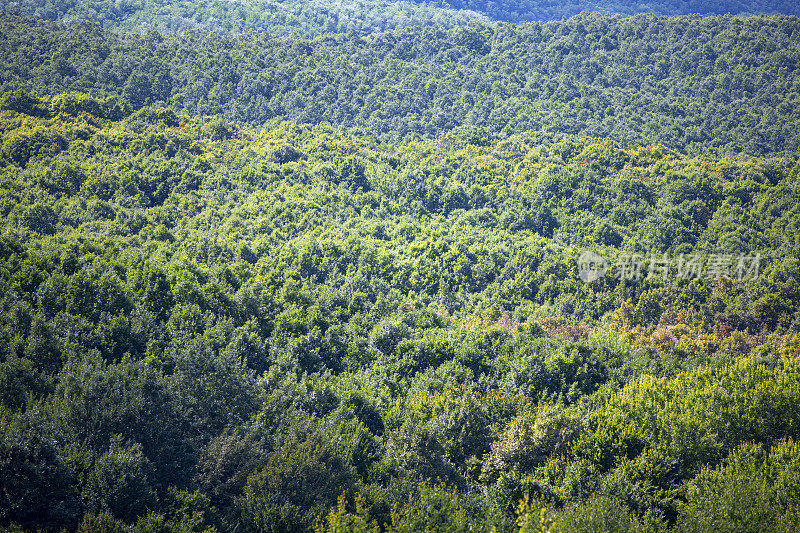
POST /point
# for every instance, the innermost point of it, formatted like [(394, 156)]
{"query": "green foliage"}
[(118, 483), (37, 485), (597, 515), (301, 480), (102, 523), (754, 490), (728, 84), (542, 10), (288, 17), (205, 327)]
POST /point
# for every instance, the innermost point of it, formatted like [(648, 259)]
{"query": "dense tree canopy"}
[(530, 10), (399, 266), (310, 19), (690, 83), (211, 326), (277, 17)]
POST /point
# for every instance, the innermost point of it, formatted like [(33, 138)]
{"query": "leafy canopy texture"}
[(691, 83), (207, 326)]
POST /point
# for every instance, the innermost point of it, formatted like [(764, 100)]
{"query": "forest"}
[(541, 10), (725, 84), (314, 18), (211, 327), (375, 266)]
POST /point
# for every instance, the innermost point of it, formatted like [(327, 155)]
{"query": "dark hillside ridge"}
[(317, 17), (542, 10), (690, 83)]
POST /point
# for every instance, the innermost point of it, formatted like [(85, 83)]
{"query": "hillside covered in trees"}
[(542, 10), (207, 326), (310, 19), (283, 17), (693, 84), (398, 266)]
